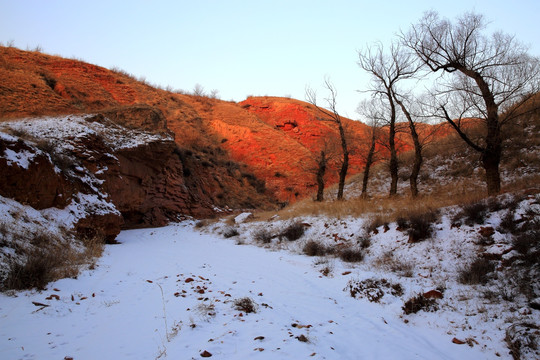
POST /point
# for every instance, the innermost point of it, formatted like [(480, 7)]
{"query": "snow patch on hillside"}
[(72, 127)]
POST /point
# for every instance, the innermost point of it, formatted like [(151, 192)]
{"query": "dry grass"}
[(50, 258), (387, 209), (245, 304), (388, 262)]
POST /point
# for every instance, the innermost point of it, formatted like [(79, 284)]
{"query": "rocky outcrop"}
[(147, 186), (29, 176), (33, 177)]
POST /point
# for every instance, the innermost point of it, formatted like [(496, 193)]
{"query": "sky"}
[(241, 48)]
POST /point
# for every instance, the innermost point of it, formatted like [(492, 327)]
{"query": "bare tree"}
[(487, 78), (198, 90), (332, 115), (386, 70), (370, 110)]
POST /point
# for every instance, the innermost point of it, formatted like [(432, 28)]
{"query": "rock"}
[(106, 225), (496, 251), (205, 354), (486, 231), (29, 177), (433, 294), (243, 217)]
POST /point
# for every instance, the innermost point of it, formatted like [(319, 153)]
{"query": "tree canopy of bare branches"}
[(482, 77), (387, 69)]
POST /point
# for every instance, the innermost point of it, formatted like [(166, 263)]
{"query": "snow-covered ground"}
[(170, 293)]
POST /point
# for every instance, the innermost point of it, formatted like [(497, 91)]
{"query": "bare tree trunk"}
[(393, 153), (417, 164), (320, 176), (369, 161), (415, 171), (345, 164), (491, 158)]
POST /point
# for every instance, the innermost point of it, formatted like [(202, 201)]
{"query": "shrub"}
[(477, 272), (263, 236), (293, 232), (200, 224), (364, 242), (246, 305), (314, 248), (508, 224), (36, 272), (388, 262), (473, 214), (528, 245), (327, 266), (375, 223), (523, 340), (373, 289), (417, 303), (526, 241), (351, 255), (402, 223), (420, 226), (230, 232), (205, 310)]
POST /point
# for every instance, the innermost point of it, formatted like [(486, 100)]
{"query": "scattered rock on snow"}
[(302, 338), (433, 294)]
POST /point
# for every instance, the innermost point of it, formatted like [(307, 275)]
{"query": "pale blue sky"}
[(238, 47)]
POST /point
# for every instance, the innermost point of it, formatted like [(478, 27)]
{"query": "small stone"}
[(433, 294), (205, 354)]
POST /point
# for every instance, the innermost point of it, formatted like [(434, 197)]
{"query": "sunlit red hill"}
[(234, 148)]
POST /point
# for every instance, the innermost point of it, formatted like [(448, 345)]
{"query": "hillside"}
[(37, 84), (275, 139)]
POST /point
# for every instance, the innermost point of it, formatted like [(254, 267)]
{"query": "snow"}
[(22, 159), (242, 217), (137, 305), (65, 128)]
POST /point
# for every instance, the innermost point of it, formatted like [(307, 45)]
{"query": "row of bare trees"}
[(466, 74)]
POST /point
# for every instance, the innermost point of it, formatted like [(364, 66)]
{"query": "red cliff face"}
[(29, 177), (32, 177)]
